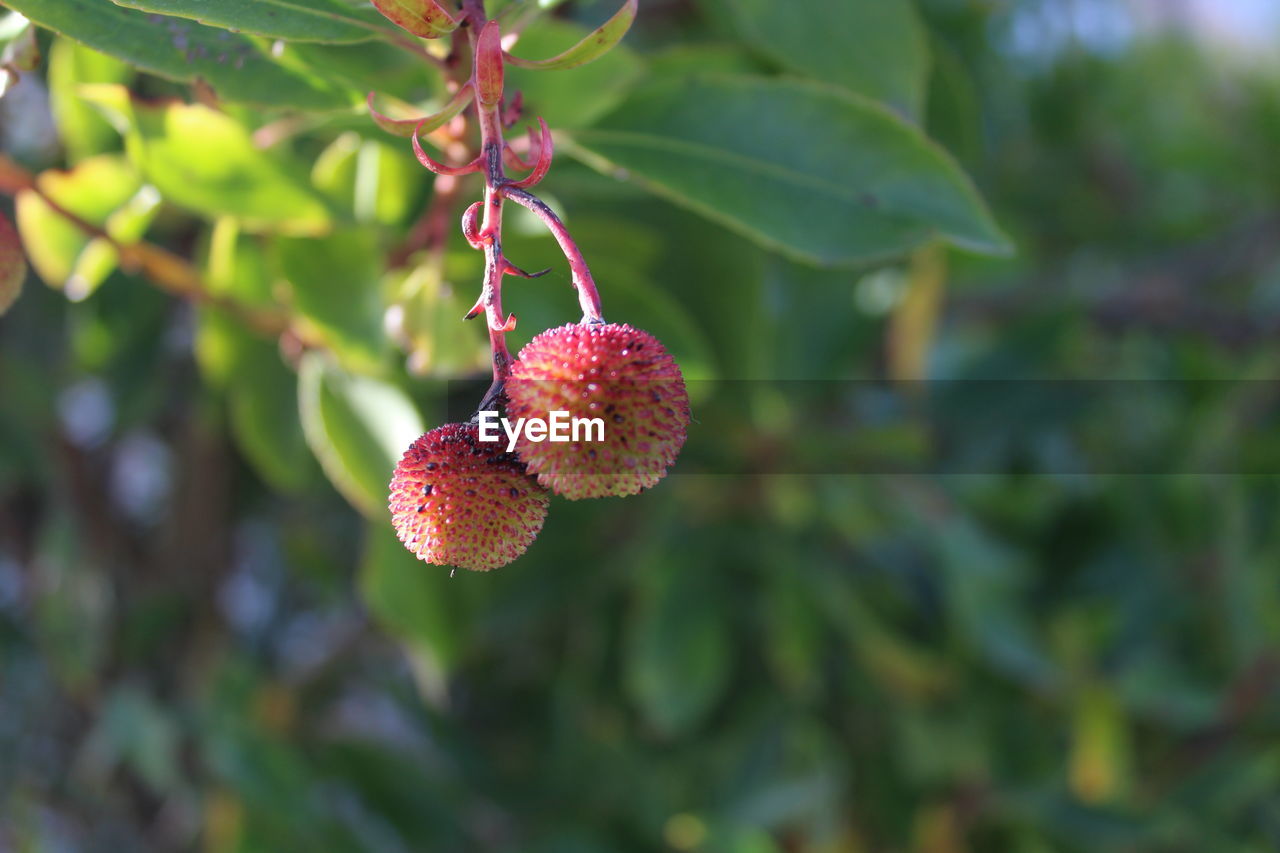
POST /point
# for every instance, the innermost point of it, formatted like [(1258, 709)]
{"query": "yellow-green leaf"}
[(597, 43), (205, 160), (61, 252)]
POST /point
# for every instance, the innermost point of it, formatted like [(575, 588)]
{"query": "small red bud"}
[(489, 63)]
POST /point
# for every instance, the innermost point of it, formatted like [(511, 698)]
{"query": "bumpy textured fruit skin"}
[(457, 501), (614, 372)]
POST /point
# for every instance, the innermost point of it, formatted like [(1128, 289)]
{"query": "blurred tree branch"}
[(167, 270)]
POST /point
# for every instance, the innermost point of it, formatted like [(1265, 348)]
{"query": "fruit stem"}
[(588, 295), (495, 263), (487, 81), (492, 144)]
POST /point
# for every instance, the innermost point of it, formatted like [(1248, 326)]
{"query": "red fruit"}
[(613, 372), (457, 501)]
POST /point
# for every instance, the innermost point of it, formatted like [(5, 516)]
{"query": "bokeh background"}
[(1028, 625)]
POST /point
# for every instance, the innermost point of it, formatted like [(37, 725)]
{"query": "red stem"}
[(490, 234), (495, 264), (487, 80), (588, 295)]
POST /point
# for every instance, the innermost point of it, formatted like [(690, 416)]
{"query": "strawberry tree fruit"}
[(608, 371), (620, 377), (457, 501)]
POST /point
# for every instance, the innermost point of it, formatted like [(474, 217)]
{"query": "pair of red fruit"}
[(459, 501)]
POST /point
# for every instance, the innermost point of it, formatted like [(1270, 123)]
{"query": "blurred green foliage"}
[(210, 638)]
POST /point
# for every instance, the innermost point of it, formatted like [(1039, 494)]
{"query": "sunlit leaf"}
[(335, 286), (375, 180), (358, 427), (577, 99), (235, 66), (205, 160), (292, 20), (94, 190), (596, 44), (83, 130), (431, 307), (424, 18)]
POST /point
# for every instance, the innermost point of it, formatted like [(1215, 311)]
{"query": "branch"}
[(482, 221), (487, 51), (166, 270)]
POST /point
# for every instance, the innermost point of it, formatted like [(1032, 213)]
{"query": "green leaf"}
[(592, 46), (206, 161), (52, 244), (422, 124), (224, 347), (424, 18), (431, 306), (684, 59), (376, 180), (815, 172), (954, 111), (292, 20), (577, 99), (367, 66), (94, 190), (629, 257), (984, 580), (793, 631), (235, 66), (265, 420), (417, 602), (357, 427), (238, 266), (262, 392), (878, 49), (335, 283), (83, 130), (679, 647), (99, 258)]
